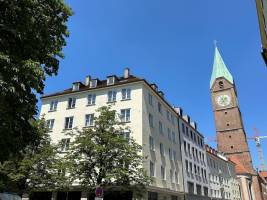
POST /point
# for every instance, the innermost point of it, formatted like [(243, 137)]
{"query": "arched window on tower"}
[(221, 84)]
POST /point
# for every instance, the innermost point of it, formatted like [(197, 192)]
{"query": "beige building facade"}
[(152, 121)]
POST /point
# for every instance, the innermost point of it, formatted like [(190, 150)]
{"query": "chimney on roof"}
[(126, 73), (154, 86), (161, 94), (87, 80)]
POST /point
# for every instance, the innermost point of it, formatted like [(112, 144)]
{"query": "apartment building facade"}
[(222, 177), (152, 121), (196, 183)]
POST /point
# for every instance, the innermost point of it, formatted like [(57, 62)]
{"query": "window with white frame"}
[(65, 144), (125, 115), (169, 134), (161, 149), (174, 155), (176, 177), (89, 120), (150, 119), (162, 172), (112, 96), (171, 176), (151, 143), (160, 127), (159, 108), (71, 102), (53, 105), (68, 122), (172, 119), (168, 115), (170, 153), (126, 135), (50, 124), (91, 99), (152, 169), (150, 99), (126, 94)]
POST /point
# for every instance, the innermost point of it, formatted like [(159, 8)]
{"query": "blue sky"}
[(170, 42)]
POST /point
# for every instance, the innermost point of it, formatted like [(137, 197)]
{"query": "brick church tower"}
[(231, 136)]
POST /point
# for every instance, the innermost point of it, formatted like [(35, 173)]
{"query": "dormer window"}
[(110, 80), (93, 83), (75, 86)]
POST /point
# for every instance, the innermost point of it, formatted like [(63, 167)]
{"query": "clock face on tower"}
[(223, 100)]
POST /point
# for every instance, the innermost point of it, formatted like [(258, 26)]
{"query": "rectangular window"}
[(93, 83), (159, 108), (161, 149), (71, 102), (190, 187), (199, 190), (187, 134), (171, 176), (160, 128), (152, 196), (125, 115), (173, 137), (169, 134), (176, 177), (126, 94), (53, 105), (172, 119), (91, 99), (65, 143), (186, 165), (168, 115), (151, 143), (112, 96), (89, 120), (68, 122), (170, 154), (183, 128), (185, 147), (174, 155), (152, 169), (162, 170), (150, 99), (191, 167), (191, 135), (50, 124), (150, 118), (111, 80), (126, 135)]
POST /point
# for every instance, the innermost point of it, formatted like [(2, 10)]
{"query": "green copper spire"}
[(220, 69)]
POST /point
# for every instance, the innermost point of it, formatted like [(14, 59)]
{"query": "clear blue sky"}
[(170, 42)]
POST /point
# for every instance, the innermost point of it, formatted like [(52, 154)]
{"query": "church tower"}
[(231, 136)]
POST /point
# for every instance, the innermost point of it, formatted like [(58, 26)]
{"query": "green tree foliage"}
[(32, 35), (100, 155), (37, 168)]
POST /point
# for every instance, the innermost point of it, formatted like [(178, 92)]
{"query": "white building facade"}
[(152, 121), (196, 183), (223, 180)]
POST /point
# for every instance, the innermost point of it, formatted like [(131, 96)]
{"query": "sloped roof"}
[(239, 167)]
